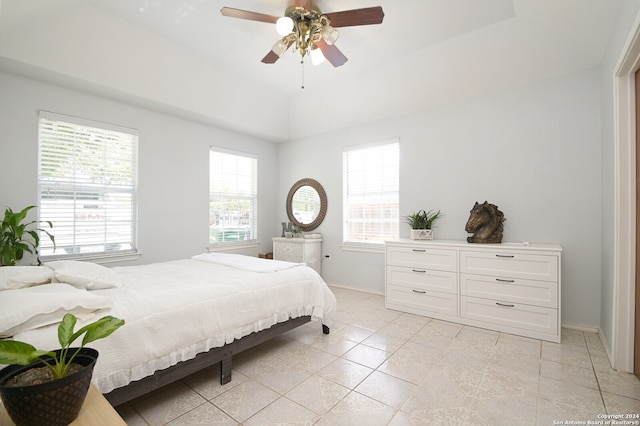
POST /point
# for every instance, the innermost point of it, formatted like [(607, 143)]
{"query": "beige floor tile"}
[(130, 415), (387, 389), (244, 400), (346, 373), (283, 411), (384, 342), (318, 394), (412, 362), (356, 333), (619, 383), (583, 408), (571, 339), (507, 411), (167, 404), (412, 322), (205, 415), (441, 391), (335, 344), (617, 404), (567, 356), (367, 356), (207, 382), (358, 410), (400, 331), (601, 363), (569, 373)]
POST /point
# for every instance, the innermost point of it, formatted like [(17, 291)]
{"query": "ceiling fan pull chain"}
[(302, 73)]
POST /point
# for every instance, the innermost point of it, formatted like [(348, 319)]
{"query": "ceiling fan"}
[(309, 30)]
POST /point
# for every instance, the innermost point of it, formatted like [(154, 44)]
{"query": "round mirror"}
[(306, 204)]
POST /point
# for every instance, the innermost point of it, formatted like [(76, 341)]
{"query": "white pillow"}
[(87, 275), (14, 277), (33, 307)]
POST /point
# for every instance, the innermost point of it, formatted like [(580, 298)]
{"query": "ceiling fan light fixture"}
[(284, 25), (316, 56), (279, 47), (330, 34)]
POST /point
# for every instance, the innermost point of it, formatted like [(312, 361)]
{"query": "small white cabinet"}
[(299, 250), (507, 287)]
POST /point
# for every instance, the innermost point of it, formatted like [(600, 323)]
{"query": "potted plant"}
[(49, 387), (16, 238), (421, 223)]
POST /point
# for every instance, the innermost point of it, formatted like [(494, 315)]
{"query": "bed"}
[(181, 316)]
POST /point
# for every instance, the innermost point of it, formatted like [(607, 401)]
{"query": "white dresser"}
[(299, 250), (509, 287)]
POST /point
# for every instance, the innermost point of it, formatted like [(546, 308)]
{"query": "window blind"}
[(371, 192), (87, 185), (233, 196)]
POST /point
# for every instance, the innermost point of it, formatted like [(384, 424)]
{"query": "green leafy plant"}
[(18, 237), (20, 353), (422, 219)]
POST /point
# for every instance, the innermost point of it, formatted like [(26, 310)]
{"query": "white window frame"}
[(75, 202), (388, 189), (243, 188)]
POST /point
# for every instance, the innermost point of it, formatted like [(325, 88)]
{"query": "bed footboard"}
[(223, 355)]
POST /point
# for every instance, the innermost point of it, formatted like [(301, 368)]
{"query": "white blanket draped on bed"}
[(175, 310)]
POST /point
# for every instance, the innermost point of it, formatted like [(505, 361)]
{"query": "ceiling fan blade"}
[(270, 58), (302, 3), (349, 18), (245, 14), (331, 53)]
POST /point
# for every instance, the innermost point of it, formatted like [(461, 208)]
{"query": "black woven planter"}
[(53, 403)]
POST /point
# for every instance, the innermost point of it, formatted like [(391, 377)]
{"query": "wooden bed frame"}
[(223, 355)]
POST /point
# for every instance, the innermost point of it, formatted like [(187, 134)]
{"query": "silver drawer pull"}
[(419, 291), (505, 305), (419, 250), (505, 255), (505, 281), (418, 270)]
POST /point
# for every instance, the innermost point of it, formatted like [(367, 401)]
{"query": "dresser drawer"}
[(515, 290), (290, 250), (422, 257), (513, 315), (510, 265), (422, 279), (421, 301)]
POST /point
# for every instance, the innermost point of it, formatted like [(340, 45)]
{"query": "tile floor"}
[(382, 367)]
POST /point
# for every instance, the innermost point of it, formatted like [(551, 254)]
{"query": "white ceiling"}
[(181, 54)]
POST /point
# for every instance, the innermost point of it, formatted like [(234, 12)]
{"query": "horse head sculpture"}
[(485, 222)]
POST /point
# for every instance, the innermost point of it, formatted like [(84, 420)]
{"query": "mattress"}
[(177, 309)]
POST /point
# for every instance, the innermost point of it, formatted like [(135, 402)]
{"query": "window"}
[(371, 192), (233, 196), (87, 186)]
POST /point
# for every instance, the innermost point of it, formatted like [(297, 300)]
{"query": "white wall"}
[(534, 151), (173, 164)]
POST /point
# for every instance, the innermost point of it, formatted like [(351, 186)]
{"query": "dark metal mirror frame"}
[(323, 204)]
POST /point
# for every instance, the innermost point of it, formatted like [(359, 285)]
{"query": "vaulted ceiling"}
[(184, 57)]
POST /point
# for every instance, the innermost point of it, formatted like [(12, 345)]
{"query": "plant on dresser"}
[(421, 223)]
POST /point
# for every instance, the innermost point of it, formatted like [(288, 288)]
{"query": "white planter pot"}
[(421, 234)]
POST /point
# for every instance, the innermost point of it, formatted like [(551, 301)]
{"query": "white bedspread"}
[(175, 310)]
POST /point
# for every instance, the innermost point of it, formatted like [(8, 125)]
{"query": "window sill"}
[(363, 247), (232, 246), (100, 258)]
